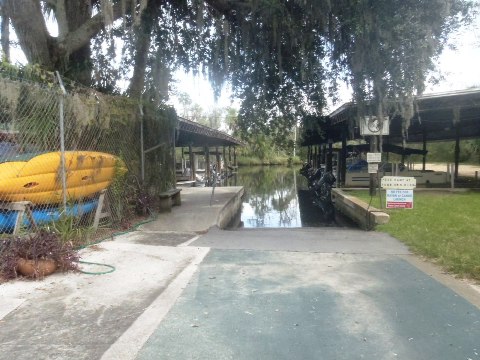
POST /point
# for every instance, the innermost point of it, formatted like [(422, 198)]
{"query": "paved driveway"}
[(274, 295)]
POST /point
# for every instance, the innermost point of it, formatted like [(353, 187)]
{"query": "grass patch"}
[(441, 226)]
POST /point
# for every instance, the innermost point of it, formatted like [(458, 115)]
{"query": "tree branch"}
[(31, 30), (61, 14), (5, 34), (78, 38), (228, 8)]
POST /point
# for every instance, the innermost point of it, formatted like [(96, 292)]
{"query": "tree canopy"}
[(282, 57)]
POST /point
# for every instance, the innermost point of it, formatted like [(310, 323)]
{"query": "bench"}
[(169, 198), (188, 183)]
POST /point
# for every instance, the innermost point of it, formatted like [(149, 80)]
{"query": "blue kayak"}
[(44, 215)]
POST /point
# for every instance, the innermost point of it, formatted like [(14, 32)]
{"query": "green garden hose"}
[(110, 270), (111, 267)]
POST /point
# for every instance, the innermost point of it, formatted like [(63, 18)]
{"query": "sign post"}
[(373, 158)]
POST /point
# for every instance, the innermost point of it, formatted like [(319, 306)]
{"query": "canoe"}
[(45, 215), (39, 179)]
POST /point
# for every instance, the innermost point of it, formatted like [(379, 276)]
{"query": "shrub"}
[(40, 245)]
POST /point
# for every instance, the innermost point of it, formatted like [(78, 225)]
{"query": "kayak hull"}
[(39, 180), (45, 215)]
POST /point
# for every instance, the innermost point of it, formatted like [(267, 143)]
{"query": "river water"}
[(277, 196)]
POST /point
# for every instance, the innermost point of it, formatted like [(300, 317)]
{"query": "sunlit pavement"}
[(313, 304)]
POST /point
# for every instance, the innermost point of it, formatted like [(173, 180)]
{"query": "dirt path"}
[(463, 170)]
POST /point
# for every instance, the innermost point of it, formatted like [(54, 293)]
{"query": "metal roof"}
[(197, 135), (437, 117)]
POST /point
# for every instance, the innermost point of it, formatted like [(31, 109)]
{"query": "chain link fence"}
[(64, 150)]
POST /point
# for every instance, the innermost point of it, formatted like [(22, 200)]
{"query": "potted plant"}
[(36, 255)]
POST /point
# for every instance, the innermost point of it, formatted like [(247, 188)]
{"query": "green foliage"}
[(30, 72), (444, 152), (38, 118), (265, 150), (281, 57), (441, 226), (118, 193), (71, 229)]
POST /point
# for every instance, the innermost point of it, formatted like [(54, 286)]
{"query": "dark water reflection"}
[(277, 197)]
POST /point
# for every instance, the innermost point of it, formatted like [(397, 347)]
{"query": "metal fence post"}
[(142, 152), (62, 142)]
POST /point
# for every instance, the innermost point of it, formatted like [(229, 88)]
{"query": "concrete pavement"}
[(81, 316), (200, 210), (179, 291), (296, 305)]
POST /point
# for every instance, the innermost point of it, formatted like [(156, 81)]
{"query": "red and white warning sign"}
[(399, 199)]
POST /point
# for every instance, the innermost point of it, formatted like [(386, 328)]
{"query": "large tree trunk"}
[(143, 35), (5, 33), (29, 24), (70, 52), (142, 44), (79, 61)]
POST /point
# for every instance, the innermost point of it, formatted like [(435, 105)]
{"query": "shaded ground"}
[(247, 304)]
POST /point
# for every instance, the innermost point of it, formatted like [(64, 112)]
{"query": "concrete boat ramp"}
[(184, 289)]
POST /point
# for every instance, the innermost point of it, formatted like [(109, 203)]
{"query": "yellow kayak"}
[(39, 180)]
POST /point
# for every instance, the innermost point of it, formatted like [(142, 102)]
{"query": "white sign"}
[(372, 168), (399, 199), (398, 182), (374, 157), (370, 125)]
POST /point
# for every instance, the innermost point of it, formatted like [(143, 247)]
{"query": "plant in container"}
[(36, 255)]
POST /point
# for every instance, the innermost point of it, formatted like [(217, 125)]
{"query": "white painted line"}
[(188, 242), (129, 344), (8, 305)]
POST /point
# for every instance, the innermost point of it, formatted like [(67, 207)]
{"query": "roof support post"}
[(329, 165), (224, 161), (217, 158), (373, 148), (457, 149), (207, 163), (343, 156), (424, 159), (174, 155), (323, 155), (193, 170)]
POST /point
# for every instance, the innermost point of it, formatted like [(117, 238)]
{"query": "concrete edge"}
[(230, 209), (463, 287), (359, 211), (9, 305), (132, 340)]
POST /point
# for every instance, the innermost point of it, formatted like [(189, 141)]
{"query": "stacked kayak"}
[(39, 180)]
